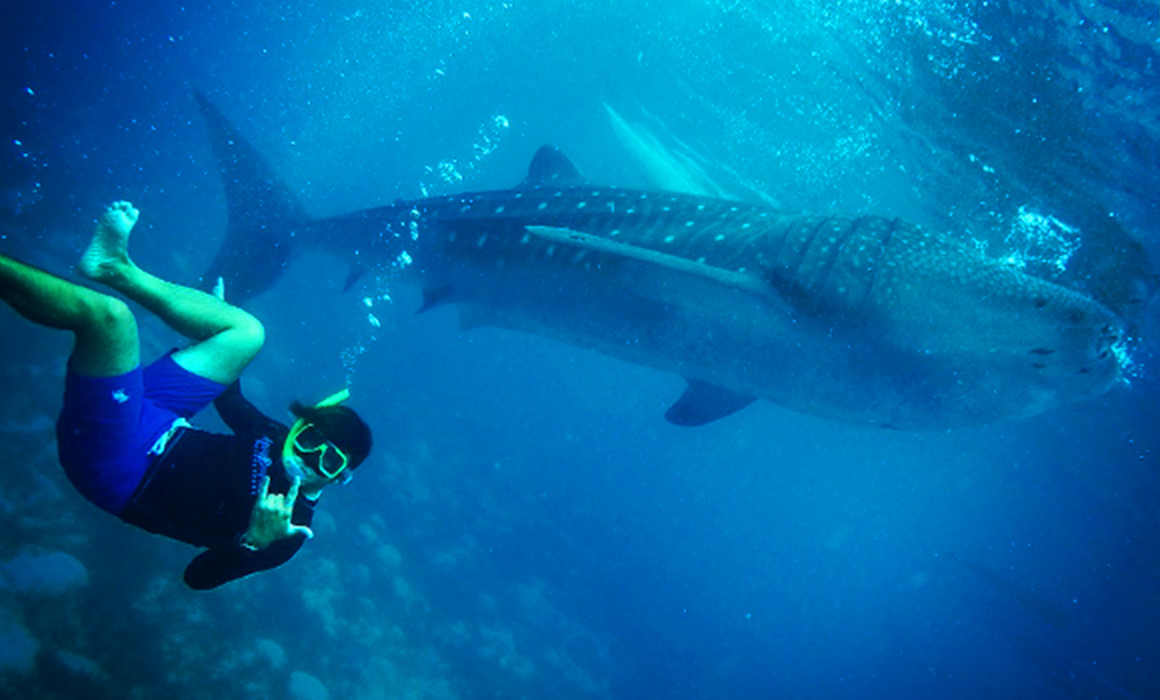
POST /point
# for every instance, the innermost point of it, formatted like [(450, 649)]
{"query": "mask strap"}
[(288, 445)]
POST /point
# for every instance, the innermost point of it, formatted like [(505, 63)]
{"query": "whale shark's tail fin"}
[(263, 213)]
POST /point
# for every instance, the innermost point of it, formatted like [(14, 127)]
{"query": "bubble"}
[(1130, 369), (1040, 243), (368, 334), (450, 171)]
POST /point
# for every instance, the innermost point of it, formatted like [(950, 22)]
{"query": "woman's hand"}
[(270, 520)]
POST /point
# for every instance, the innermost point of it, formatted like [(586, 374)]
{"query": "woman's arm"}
[(241, 416), (223, 564), (272, 538)]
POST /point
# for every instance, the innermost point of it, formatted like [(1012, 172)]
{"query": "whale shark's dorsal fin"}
[(551, 168)]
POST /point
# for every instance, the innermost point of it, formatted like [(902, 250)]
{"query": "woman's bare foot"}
[(107, 256)]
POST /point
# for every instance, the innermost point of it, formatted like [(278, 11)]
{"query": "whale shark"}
[(868, 320)]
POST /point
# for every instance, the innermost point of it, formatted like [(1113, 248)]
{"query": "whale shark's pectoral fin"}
[(716, 276), (353, 275), (435, 296), (704, 403)]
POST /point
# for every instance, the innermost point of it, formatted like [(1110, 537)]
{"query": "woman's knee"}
[(250, 335), (106, 337), (223, 357), (103, 315)]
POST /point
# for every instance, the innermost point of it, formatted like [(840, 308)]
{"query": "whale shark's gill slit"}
[(783, 239), (876, 265), (704, 231), (1042, 351), (805, 253), (838, 246), (739, 247)]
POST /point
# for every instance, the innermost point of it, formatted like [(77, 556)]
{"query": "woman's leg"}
[(105, 330), (228, 337)]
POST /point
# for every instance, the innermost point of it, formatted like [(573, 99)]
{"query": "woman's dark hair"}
[(341, 426)]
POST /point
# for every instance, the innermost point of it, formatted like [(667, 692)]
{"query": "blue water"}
[(529, 525)]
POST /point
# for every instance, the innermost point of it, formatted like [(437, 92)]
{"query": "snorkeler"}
[(123, 434)]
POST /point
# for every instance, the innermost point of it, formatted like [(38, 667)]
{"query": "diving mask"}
[(308, 440)]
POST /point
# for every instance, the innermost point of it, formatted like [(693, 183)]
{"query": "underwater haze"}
[(529, 525)]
